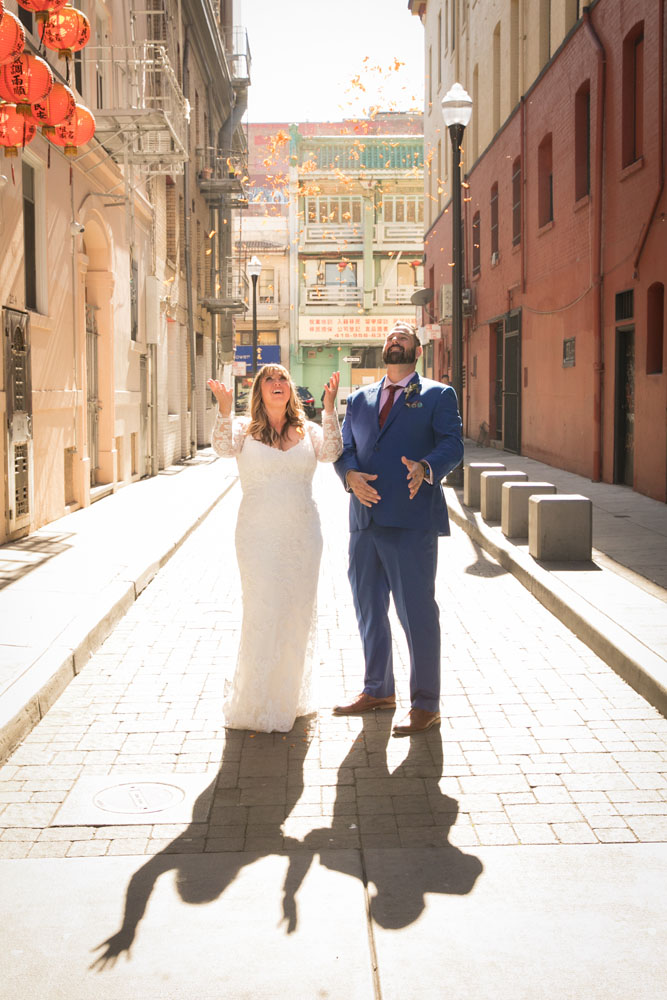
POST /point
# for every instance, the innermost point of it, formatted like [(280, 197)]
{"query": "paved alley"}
[(530, 827)]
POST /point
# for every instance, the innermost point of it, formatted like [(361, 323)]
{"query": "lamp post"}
[(457, 111), (254, 270)]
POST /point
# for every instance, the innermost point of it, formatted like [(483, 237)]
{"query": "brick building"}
[(563, 226)]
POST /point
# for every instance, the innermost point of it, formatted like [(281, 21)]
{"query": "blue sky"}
[(311, 59)]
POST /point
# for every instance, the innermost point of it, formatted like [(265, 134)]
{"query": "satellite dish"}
[(421, 296)]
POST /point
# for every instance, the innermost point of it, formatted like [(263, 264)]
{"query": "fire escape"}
[(222, 174)]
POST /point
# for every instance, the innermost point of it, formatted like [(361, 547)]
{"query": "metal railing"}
[(238, 54), (142, 114), (333, 294)]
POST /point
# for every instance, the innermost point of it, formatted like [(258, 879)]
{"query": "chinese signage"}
[(312, 328)]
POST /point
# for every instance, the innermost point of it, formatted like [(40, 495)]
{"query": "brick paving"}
[(541, 742)]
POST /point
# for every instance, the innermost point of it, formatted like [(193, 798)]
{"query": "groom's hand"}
[(359, 484), (415, 475)]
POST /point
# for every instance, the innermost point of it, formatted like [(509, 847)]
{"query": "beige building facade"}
[(115, 281), (495, 49)]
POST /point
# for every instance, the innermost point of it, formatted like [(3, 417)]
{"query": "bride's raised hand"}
[(330, 391), (223, 395)]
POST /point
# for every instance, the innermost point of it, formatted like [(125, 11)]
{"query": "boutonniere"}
[(412, 390)]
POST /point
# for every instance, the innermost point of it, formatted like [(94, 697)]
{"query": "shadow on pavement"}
[(420, 860)]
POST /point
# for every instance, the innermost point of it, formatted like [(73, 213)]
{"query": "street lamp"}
[(457, 111), (254, 270)]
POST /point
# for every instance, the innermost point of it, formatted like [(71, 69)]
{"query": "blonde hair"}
[(259, 427)]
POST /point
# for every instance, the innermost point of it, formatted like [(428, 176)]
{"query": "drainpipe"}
[(187, 225), (596, 248), (524, 193), (661, 139)]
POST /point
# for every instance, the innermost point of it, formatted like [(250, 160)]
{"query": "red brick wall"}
[(552, 275)]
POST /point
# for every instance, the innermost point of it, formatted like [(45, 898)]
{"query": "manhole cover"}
[(139, 797)]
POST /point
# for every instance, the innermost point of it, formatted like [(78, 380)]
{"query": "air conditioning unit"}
[(467, 302)]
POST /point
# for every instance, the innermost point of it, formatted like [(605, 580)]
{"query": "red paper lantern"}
[(15, 129), (42, 8), (54, 109), (25, 81), (2, 9), (12, 38), (66, 30), (75, 131)]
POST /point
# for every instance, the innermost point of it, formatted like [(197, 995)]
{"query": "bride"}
[(278, 545)]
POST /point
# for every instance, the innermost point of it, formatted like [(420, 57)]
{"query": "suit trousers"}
[(401, 562)]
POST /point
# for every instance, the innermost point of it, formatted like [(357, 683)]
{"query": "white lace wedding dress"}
[(278, 547)]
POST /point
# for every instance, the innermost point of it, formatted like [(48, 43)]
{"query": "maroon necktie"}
[(389, 402)]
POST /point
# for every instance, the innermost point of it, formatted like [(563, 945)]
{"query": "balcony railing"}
[(142, 118), (230, 291), (334, 295), (223, 172), (327, 295), (238, 56), (387, 234)]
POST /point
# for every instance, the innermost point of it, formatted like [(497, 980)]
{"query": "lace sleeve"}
[(327, 440), (228, 435)]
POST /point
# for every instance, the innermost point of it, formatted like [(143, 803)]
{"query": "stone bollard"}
[(560, 527), (471, 478), (514, 506), (490, 495)]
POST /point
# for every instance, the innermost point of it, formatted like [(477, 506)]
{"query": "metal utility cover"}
[(138, 799)]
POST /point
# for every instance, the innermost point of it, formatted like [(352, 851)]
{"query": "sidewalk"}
[(617, 604), (65, 586)]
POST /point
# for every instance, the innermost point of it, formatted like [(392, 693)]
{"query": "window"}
[(516, 202), (633, 95), (569, 352), (172, 221), (495, 96), (494, 221), (655, 326), (267, 285), (582, 141), (29, 235), (181, 226), (545, 32), (134, 297), (25, 17), (515, 47), (335, 210), (430, 77), (335, 274), (198, 254), (439, 48), (545, 181), (476, 243), (403, 208), (406, 274)]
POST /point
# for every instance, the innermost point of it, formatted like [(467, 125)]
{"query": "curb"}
[(639, 666), (30, 697)]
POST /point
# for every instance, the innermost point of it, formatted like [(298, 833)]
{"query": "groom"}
[(401, 436)]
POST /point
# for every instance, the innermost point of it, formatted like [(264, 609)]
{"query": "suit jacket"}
[(423, 423)]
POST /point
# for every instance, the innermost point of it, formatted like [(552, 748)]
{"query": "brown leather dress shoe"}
[(364, 703), (418, 720)]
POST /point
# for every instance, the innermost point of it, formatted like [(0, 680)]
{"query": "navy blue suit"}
[(394, 543)]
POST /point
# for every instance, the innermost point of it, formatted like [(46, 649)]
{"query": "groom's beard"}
[(396, 354)]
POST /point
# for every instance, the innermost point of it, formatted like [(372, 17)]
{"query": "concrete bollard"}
[(514, 506), (490, 495), (560, 527), (471, 478)]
